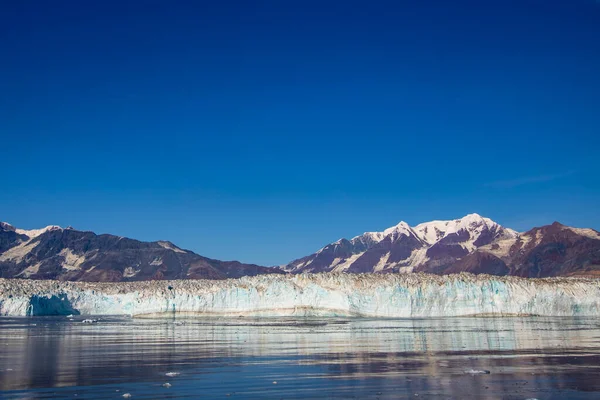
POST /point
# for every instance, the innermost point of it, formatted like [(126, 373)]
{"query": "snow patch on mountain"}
[(33, 233), (431, 232), (539, 235), (345, 264), (130, 272), (18, 253), (157, 261), (72, 261), (302, 264), (474, 224), (500, 248), (381, 264), (374, 237), (417, 257), (31, 270), (590, 233), (170, 246), (366, 240)]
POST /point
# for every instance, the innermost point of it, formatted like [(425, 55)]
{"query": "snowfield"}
[(361, 295)]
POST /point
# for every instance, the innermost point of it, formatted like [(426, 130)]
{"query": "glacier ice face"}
[(368, 295)]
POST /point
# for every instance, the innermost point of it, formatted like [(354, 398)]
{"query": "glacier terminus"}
[(327, 294)]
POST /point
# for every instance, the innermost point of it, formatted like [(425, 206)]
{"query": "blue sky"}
[(261, 131)]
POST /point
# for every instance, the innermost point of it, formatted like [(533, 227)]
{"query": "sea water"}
[(298, 358)]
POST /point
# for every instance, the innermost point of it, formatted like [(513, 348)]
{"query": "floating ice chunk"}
[(172, 374), (477, 371), (127, 395), (167, 385), (89, 321)]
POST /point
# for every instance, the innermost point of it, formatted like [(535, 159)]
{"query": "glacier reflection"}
[(529, 356)]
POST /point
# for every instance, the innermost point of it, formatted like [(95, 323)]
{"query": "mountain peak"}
[(33, 233), (6, 226), (473, 216), (401, 227), (474, 220)]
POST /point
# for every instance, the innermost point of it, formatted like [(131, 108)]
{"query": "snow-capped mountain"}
[(69, 254), (402, 248), (472, 243)]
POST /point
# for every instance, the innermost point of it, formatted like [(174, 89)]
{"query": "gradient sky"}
[(261, 131)]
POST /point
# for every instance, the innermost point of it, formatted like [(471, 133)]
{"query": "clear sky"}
[(261, 131)]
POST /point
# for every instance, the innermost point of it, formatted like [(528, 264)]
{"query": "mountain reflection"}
[(52, 357)]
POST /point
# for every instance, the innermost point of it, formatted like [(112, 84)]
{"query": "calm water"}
[(543, 358)]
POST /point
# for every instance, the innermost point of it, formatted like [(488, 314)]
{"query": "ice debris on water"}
[(172, 373), (477, 371), (89, 321), (167, 385), (127, 395)]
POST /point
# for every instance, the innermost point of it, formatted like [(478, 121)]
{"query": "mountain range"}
[(471, 244), (72, 255)]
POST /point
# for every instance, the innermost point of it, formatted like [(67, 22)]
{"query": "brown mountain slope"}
[(68, 254)]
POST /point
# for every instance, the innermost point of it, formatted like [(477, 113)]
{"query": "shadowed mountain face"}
[(470, 244), (68, 254)]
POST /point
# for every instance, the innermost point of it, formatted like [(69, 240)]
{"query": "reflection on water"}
[(533, 357)]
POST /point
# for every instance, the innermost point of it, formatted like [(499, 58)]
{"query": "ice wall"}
[(370, 295)]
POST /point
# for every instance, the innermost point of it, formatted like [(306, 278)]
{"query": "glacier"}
[(328, 294)]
